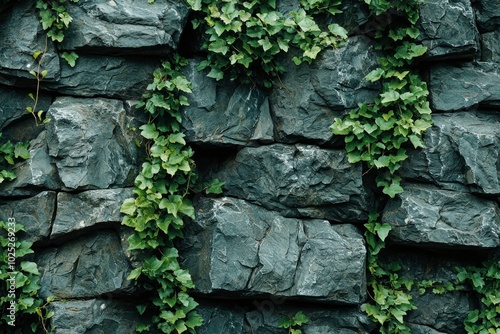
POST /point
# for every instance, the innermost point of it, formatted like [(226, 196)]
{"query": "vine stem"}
[(38, 80)]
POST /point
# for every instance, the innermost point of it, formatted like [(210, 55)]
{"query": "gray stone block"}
[(462, 153), (235, 248), (488, 14), (38, 172), (90, 143), (298, 181), (125, 27), (20, 36), (84, 268), (490, 43), (313, 96), (225, 113), (34, 213), (76, 212), (427, 216), (113, 77), (94, 316), (448, 29), (14, 103), (460, 87)]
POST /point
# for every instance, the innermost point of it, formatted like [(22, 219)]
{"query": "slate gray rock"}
[(321, 321), (428, 216), (490, 43), (20, 36), (225, 113), (448, 29), (445, 313), (488, 14), (90, 143), (14, 103), (462, 152), (220, 318), (34, 213), (88, 209), (84, 268), (460, 87), (105, 76), (313, 96), (126, 27), (94, 316), (236, 248), (298, 181), (38, 172)]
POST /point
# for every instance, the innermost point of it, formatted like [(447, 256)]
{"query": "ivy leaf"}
[(70, 58), (338, 30), (128, 207), (149, 131), (383, 230)]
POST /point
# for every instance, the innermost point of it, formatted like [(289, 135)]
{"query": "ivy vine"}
[(378, 133), (245, 38), (161, 203)]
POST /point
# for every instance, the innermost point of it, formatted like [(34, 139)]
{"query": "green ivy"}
[(245, 38), (389, 292), (379, 133), (485, 281), (9, 153), (297, 320), (161, 205)]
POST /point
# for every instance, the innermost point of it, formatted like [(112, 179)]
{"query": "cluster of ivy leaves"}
[(245, 38), (379, 133), (161, 204)]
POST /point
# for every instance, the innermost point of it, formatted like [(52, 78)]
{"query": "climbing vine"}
[(160, 205), (245, 38), (378, 133)]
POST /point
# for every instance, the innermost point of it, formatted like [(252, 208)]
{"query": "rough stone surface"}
[(488, 14), (224, 114), (490, 43), (460, 87), (20, 36), (89, 140), (448, 29), (84, 210), (86, 267), (236, 247), (14, 103), (313, 96), (425, 215), (321, 321), (34, 213), (38, 172), (125, 26), (298, 181), (94, 316), (462, 152), (114, 77), (219, 318), (445, 313)]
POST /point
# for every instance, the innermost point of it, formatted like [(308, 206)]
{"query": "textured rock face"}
[(313, 96), (448, 29), (425, 215), (34, 213), (464, 86), (488, 14), (20, 37), (122, 26), (251, 251), (298, 181), (14, 103), (88, 208), (105, 76), (88, 140), (94, 316), (225, 114), (461, 153), (490, 43), (87, 267)]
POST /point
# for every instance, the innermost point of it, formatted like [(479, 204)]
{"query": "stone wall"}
[(286, 235)]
